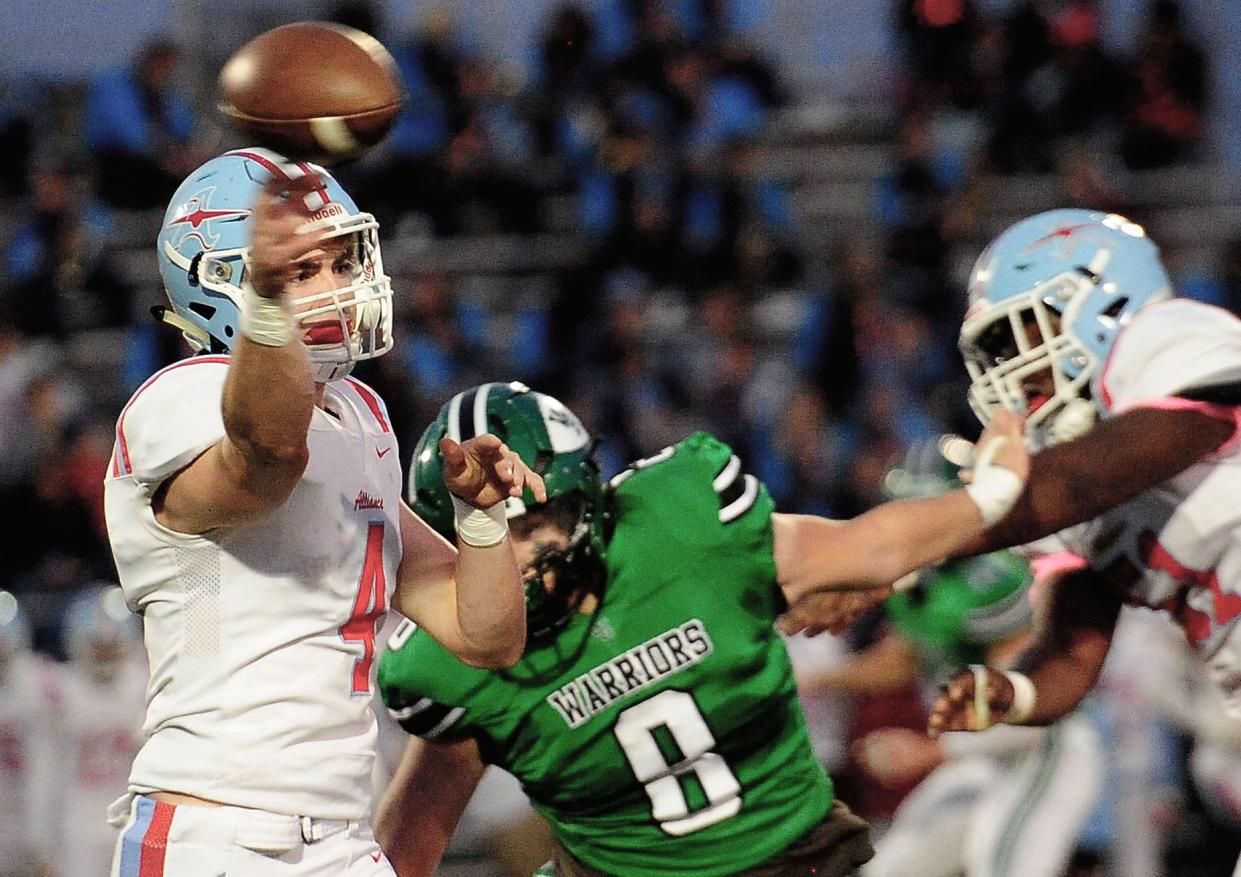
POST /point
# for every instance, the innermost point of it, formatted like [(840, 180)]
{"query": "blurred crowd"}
[(662, 273)]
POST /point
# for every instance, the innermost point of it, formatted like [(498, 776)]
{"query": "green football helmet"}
[(552, 442)]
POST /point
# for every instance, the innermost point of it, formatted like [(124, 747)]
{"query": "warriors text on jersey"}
[(661, 734), (1184, 536), (260, 636)]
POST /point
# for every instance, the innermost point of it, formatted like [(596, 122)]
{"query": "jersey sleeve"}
[(1173, 353), (170, 420), (406, 671), (700, 494)]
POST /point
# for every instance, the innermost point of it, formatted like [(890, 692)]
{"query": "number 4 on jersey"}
[(368, 607)]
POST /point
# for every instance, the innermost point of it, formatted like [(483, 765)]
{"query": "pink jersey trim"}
[(1050, 564), (122, 465), (372, 402)]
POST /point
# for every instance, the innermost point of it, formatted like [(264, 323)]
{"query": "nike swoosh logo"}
[(381, 456), (377, 856)]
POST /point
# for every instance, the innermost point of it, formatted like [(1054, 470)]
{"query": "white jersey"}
[(1183, 536), (29, 699), (261, 637), (100, 732)]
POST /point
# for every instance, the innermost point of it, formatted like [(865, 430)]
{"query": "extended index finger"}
[(535, 482)]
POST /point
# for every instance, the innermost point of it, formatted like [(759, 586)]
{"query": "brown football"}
[(312, 91)]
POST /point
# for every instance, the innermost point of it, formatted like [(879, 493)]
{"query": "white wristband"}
[(479, 528), (993, 489), (266, 321), (1024, 697)]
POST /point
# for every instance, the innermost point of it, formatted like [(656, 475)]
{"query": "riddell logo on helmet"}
[(328, 210)]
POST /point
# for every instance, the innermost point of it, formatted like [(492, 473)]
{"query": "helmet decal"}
[(196, 218), (563, 428), (1060, 237)]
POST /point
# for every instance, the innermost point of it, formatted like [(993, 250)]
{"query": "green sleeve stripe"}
[(728, 475), (737, 491)]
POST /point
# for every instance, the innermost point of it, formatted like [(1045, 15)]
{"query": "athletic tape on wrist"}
[(982, 704), (266, 321), (994, 489), (480, 528), (1024, 697)]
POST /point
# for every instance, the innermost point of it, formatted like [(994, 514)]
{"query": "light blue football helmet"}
[(204, 250), (1051, 294)]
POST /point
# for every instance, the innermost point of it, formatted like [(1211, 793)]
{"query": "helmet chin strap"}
[(1073, 421)]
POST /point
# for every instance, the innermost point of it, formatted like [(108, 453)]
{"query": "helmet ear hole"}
[(1117, 307), (203, 310)]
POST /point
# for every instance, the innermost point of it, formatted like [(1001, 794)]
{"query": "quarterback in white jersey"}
[(255, 514)]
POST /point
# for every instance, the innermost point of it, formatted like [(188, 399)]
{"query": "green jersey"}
[(661, 734), (960, 608)]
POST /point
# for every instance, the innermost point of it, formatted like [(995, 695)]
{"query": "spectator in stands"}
[(1169, 91), (22, 361), (1020, 112), (63, 279), (736, 219), (50, 541), (1089, 85), (564, 74), (630, 203), (460, 151), (15, 144), (439, 354), (139, 129), (940, 37)]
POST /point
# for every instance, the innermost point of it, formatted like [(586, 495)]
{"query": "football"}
[(312, 91)]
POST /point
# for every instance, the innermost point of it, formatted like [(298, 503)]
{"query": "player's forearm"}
[(906, 536), (1077, 618), (410, 832), (1118, 459), (413, 851), (269, 397), (491, 606), (424, 802)]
